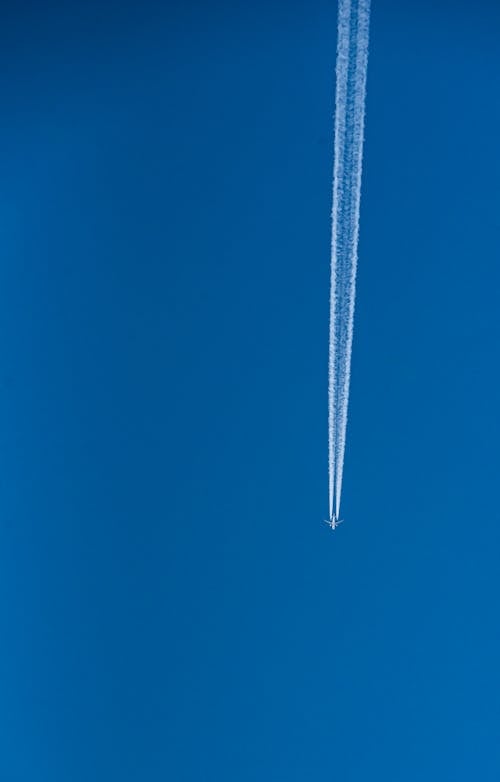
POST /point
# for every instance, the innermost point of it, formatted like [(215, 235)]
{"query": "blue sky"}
[(171, 605)]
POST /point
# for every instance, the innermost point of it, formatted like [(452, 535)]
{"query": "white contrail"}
[(344, 14), (352, 59)]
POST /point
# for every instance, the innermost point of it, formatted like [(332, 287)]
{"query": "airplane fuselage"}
[(333, 523)]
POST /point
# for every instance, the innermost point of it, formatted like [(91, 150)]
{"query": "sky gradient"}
[(171, 604)]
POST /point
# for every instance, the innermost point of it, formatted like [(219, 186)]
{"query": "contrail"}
[(352, 60)]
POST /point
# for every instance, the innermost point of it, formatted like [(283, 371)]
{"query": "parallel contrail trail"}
[(352, 60)]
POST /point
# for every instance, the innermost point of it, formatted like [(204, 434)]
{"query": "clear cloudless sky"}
[(171, 605)]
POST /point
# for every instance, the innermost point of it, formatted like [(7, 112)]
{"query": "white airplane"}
[(333, 523)]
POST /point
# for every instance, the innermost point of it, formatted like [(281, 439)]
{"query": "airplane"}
[(333, 523)]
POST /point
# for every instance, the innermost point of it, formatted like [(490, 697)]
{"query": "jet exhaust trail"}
[(352, 60)]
